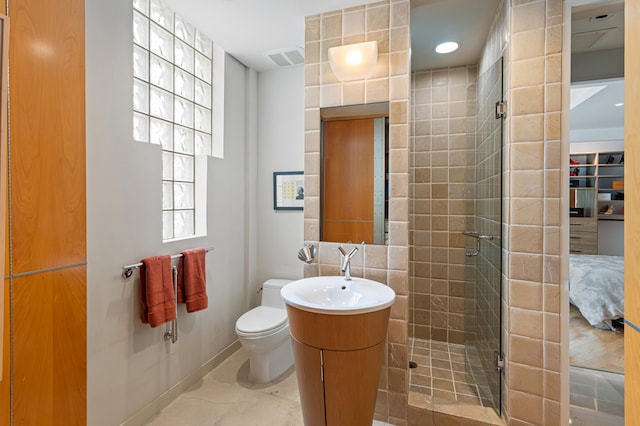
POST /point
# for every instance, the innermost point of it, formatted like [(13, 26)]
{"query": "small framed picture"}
[(288, 190)]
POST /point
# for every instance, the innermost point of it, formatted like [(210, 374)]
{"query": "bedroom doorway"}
[(596, 210)]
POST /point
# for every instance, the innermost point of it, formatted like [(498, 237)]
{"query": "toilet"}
[(264, 333)]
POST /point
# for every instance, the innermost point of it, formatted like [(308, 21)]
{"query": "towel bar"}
[(127, 270)]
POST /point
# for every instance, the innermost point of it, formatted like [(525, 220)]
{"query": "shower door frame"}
[(483, 240)]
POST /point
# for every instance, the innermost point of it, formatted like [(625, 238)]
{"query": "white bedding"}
[(596, 287)]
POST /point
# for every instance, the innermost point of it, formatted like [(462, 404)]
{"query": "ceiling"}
[(464, 21), (597, 27), (247, 29), (598, 104)]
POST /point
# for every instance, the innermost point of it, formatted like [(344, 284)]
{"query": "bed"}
[(596, 288)]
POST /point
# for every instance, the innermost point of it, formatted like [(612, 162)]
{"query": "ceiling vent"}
[(286, 57), (588, 39)]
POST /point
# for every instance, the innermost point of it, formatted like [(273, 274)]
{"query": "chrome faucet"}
[(345, 266)]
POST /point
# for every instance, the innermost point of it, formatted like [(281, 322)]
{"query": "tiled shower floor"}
[(439, 382)]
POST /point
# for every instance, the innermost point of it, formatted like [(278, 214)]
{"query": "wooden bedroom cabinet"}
[(583, 235), (596, 192)]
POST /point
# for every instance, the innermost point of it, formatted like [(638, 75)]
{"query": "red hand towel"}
[(192, 280), (156, 291)]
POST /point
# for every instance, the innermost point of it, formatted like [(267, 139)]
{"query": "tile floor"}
[(597, 397), (224, 397), (440, 382)]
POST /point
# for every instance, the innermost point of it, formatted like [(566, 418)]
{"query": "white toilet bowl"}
[(264, 333)]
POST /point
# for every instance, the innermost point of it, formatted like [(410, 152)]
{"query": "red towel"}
[(156, 291), (192, 280)]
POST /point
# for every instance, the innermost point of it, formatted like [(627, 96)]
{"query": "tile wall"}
[(442, 188), (533, 154), (528, 33), (388, 23)]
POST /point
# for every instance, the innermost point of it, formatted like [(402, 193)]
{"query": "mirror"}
[(354, 157)]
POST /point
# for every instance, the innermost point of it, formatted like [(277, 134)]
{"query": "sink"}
[(336, 296)]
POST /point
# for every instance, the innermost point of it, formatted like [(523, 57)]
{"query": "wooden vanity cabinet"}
[(338, 360)]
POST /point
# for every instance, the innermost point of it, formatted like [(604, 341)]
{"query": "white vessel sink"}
[(336, 296)]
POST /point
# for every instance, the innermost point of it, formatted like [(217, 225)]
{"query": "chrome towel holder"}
[(127, 270)]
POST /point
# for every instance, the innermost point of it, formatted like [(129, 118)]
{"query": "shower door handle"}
[(478, 236)]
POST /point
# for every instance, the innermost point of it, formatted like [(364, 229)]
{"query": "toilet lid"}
[(261, 319)]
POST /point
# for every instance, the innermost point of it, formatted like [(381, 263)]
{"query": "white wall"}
[(280, 148), (128, 363)]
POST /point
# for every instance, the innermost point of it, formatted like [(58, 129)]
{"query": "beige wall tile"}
[(311, 142), (312, 75), (527, 351), (528, 72), (526, 323), (331, 95), (354, 22), (554, 68), (554, 40), (378, 18), (552, 356), (331, 25), (312, 185), (399, 14), (551, 327), (527, 100), (526, 295), (525, 407), (527, 379), (312, 28), (527, 156), (527, 183), (375, 256), (527, 267), (399, 63), (399, 39), (529, 16), (528, 44), (381, 69), (353, 93), (398, 258), (312, 97)]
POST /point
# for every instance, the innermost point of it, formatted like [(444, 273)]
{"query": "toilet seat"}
[(261, 321)]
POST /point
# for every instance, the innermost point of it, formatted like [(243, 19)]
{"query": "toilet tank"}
[(271, 293)]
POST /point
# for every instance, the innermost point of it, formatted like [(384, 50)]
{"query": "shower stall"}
[(455, 230)]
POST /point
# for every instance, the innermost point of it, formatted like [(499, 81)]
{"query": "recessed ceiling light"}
[(619, 104), (447, 47)]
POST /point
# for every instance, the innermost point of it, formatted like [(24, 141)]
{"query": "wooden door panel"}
[(49, 348), (47, 133), (5, 389), (632, 219)]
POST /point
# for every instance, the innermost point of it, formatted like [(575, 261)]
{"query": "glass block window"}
[(172, 105)]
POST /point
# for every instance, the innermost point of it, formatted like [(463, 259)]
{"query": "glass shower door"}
[(483, 241)]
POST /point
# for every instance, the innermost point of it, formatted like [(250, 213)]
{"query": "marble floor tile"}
[(225, 397), (597, 397)]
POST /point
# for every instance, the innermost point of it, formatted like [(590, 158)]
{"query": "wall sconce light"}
[(353, 61)]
